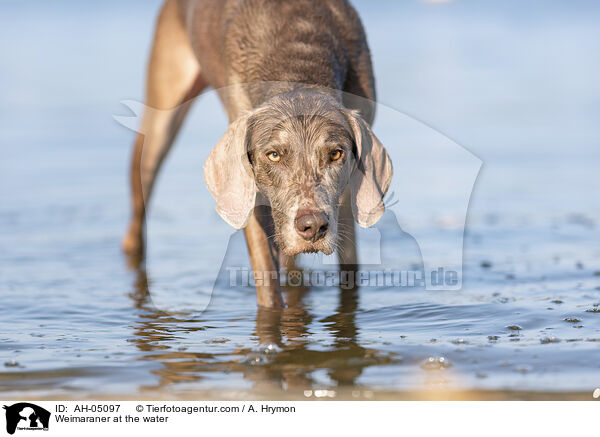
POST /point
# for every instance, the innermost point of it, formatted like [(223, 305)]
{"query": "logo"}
[(26, 416)]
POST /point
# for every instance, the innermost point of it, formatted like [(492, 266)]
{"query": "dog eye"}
[(274, 156), (336, 155)]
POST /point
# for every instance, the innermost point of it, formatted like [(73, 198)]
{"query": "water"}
[(515, 86)]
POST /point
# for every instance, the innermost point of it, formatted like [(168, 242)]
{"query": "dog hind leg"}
[(174, 80)]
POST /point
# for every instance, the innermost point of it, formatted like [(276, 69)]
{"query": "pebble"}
[(547, 340), (217, 340), (435, 363), (523, 369)]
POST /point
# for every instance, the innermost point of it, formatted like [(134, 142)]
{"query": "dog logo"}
[(26, 416)]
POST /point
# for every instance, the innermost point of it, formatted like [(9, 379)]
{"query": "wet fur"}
[(304, 128), (253, 52)]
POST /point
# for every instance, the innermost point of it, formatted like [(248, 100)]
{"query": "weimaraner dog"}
[(298, 160)]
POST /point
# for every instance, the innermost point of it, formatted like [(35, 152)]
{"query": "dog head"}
[(301, 151)]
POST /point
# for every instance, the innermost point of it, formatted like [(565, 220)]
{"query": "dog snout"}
[(311, 225)]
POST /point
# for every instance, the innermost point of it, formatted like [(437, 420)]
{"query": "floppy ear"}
[(229, 177), (372, 175)]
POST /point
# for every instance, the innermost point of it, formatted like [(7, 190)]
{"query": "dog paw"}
[(133, 248)]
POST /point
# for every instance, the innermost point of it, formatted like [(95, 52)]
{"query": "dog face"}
[(301, 151), (301, 163)]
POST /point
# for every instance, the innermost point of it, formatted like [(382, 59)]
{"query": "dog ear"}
[(372, 174), (229, 176)]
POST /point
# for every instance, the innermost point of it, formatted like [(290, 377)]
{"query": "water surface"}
[(514, 85)]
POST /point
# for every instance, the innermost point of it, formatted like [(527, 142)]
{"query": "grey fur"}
[(295, 77)]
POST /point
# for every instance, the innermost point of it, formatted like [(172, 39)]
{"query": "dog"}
[(299, 159)]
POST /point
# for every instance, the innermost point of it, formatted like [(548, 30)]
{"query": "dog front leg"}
[(264, 257), (347, 256)]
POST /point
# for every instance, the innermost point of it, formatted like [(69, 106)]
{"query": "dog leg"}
[(288, 264), (359, 93), (264, 257), (174, 79), (347, 257)]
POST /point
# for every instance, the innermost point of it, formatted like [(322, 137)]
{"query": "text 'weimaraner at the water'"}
[(298, 159)]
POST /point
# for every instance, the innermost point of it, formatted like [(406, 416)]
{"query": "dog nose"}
[(311, 225)]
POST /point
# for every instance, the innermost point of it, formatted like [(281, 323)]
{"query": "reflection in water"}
[(283, 356)]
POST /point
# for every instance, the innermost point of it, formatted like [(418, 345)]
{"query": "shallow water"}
[(514, 86)]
